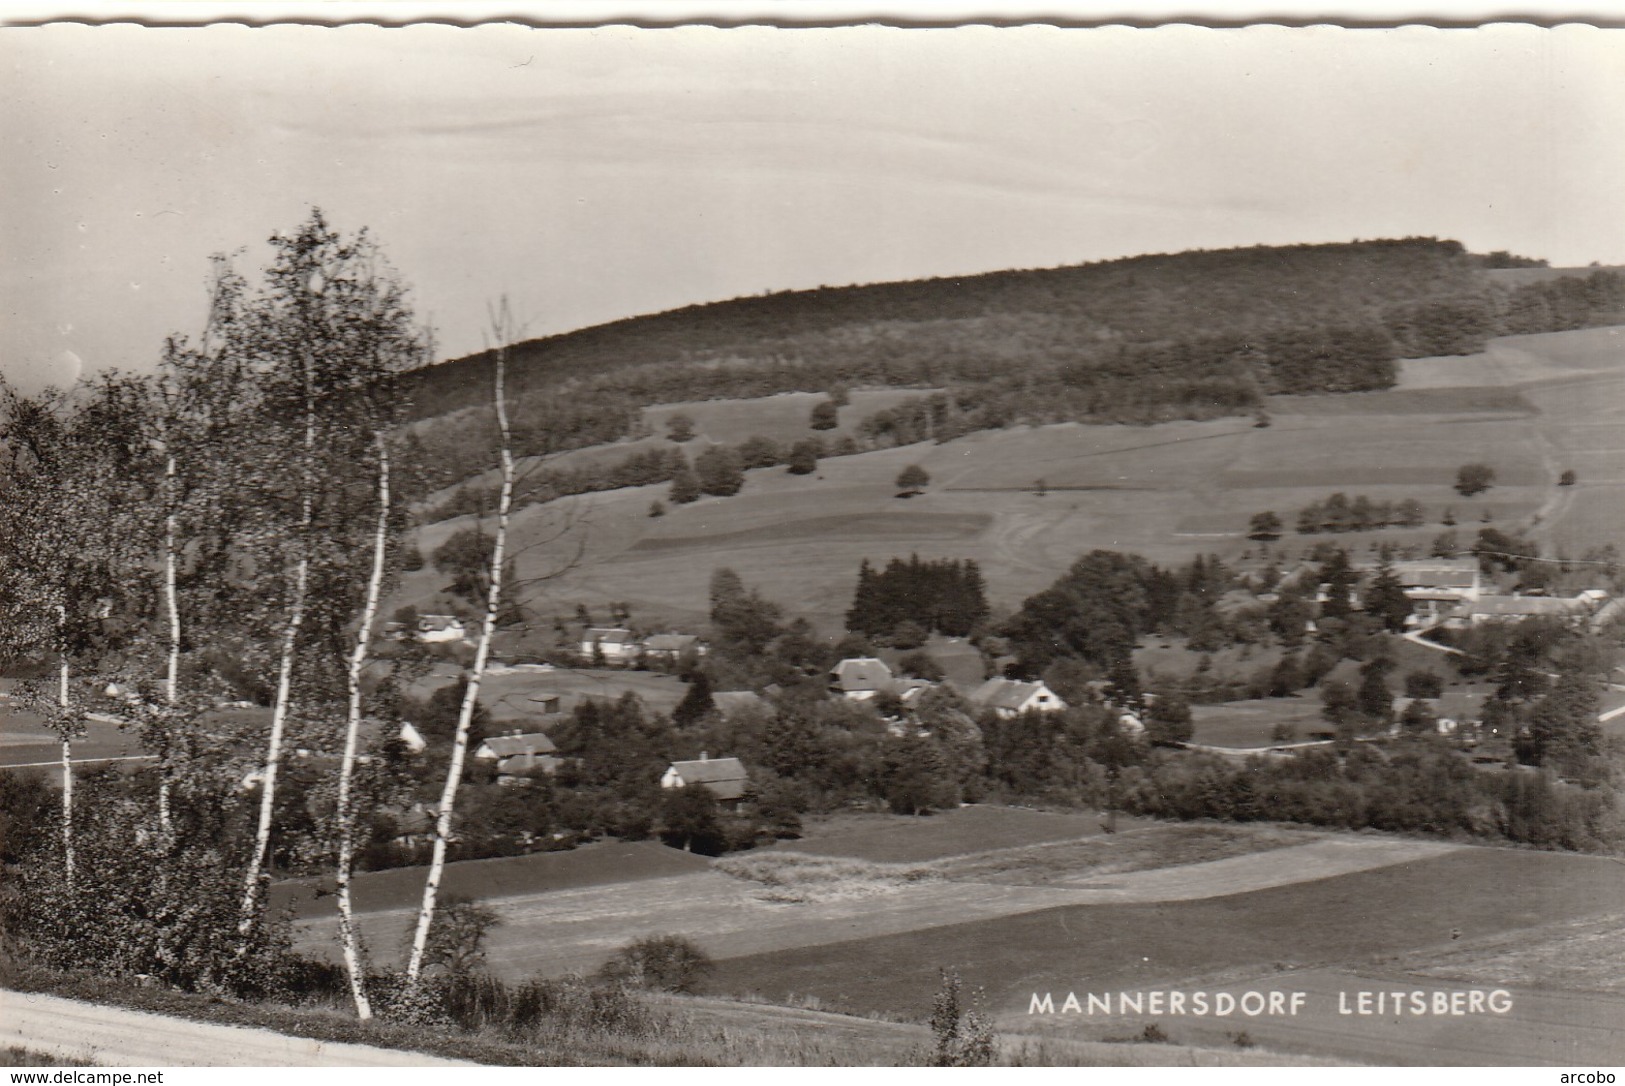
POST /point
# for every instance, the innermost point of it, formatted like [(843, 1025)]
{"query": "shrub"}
[(963, 1035), (665, 963), (1474, 479)]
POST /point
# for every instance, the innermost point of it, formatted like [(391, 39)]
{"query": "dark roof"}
[(525, 763), (725, 778), (1453, 705), (506, 746), (1434, 572), (732, 701), (670, 642)]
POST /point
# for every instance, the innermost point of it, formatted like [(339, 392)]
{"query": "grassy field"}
[(1531, 407), (1371, 917), (605, 864), (889, 839), (25, 740), (1245, 724)]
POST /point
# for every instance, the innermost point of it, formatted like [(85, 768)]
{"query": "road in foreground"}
[(115, 1037)]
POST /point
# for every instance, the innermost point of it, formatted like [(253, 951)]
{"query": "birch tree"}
[(329, 326), (504, 333), (74, 488)]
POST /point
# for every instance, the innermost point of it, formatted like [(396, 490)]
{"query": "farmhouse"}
[(670, 647), (724, 778), (614, 644), (435, 629), (1517, 608), (1008, 697), (514, 745), (1437, 587), (860, 678), (1452, 712)]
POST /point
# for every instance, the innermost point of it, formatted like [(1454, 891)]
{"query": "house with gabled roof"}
[(440, 629), (860, 678), (514, 744), (615, 644), (725, 778), (670, 647), (1452, 711), (1573, 609), (1011, 697)]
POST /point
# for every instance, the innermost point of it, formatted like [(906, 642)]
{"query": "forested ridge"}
[(1139, 340)]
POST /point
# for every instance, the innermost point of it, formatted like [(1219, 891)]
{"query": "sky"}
[(593, 174)]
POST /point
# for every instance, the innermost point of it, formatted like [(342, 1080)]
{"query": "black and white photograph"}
[(719, 544)]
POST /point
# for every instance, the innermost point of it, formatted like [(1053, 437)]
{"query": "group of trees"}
[(946, 596), (227, 525), (1099, 609), (1340, 514)]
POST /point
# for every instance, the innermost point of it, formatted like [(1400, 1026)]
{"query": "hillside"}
[(1145, 339)]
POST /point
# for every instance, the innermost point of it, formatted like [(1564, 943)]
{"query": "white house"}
[(670, 647), (1008, 697), (860, 678), (513, 745), (724, 778), (614, 644), (441, 628)]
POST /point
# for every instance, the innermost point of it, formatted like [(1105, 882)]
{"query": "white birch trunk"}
[(465, 715), (172, 679), (284, 684), (346, 815), (273, 748), (62, 697)]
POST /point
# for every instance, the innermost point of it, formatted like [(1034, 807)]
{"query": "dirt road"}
[(114, 1037)]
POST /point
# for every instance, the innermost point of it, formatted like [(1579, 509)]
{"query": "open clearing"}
[(577, 929), (1245, 725), (1530, 406), (889, 839), (1373, 916)]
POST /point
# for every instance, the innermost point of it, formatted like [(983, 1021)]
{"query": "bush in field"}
[(718, 471), (963, 1035), (911, 480), (457, 937), (1474, 479), (666, 963)]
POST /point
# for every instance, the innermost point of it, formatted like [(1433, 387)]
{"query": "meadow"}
[(1530, 407)]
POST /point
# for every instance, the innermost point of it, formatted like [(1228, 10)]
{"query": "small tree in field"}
[(825, 416), (1568, 478), (1474, 479), (1264, 525), (685, 487), (911, 480), (803, 458), (680, 428)]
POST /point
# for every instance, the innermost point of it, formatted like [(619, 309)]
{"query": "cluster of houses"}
[(616, 645), (1452, 593), (863, 678)]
